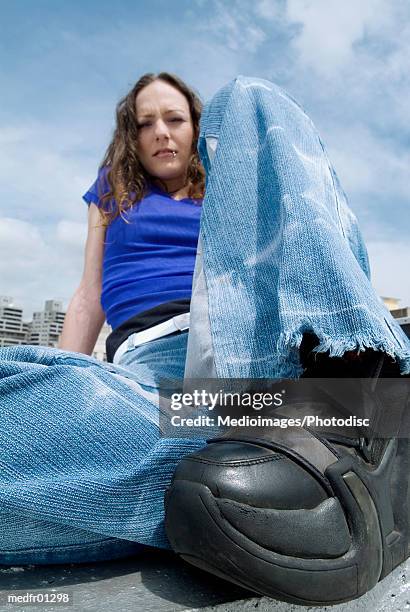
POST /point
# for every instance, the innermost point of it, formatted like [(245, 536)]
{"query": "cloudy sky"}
[(64, 66)]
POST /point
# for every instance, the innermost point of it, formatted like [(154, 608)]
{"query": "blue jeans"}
[(83, 467), (280, 252)]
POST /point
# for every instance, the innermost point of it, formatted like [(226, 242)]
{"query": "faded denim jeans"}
[(83, 470), (83, 467)]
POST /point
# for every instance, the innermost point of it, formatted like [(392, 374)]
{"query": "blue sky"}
[(64, 66)]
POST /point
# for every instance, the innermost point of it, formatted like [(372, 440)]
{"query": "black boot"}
[(308, 517)]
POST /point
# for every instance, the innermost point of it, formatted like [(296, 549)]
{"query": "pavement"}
[(159, 581)]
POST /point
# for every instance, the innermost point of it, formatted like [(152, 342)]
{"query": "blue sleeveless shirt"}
[(149, 258)]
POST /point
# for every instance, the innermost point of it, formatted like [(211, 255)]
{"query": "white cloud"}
[(234, 24), (39, 173), (72, 234), (19, 237), (368, 164), (39, 263), (270, 10), (330, 29)]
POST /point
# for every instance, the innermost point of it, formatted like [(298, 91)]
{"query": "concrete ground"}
[(160, 582)]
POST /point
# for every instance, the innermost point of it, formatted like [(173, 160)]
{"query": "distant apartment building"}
[(47, 325), (402, 315), (391, 303), (13, 330)]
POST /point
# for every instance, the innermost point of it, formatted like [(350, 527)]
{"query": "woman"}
[(279, 257), (143, 224), (139, 261)]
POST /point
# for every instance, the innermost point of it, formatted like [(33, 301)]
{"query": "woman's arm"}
[(85, 317)]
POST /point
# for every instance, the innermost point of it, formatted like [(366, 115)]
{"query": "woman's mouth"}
[(166, 154)]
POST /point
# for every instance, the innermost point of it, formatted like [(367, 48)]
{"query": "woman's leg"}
[(84, 468), (304, 516), (280, 252), (154, 362)]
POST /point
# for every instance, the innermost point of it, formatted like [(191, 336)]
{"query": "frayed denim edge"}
[(289, 365)]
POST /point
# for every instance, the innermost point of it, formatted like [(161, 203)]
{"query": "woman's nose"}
[(161, 128)]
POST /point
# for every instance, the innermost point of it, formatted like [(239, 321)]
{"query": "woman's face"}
[(165, 131)]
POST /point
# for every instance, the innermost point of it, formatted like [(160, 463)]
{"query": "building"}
[(47, 325), (391, 302), (401, 313), (13, 330), (402, 316)]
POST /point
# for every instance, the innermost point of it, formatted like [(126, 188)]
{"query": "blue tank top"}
[(149, 257)]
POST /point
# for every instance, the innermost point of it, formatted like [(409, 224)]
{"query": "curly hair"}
[(127, 178)]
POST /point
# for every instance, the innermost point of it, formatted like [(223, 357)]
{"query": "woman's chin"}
[(169, 175)]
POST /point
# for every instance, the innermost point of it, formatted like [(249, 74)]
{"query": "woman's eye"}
[(142, 125), (176, 119)]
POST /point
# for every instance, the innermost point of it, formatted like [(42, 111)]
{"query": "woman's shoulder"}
[(99, 188)]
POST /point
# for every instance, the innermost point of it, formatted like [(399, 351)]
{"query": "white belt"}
[(178, 323)]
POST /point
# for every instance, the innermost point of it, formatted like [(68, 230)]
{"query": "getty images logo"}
[(203, 398)]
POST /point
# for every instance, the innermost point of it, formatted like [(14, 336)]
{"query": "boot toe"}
[(253, 475), (266, 497)]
